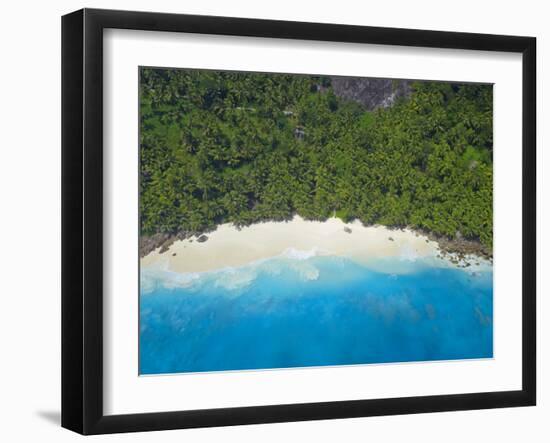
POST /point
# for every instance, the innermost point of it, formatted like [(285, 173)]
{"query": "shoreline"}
[(231, 246)]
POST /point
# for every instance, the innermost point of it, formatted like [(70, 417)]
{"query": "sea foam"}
[(232, 278), (303, 264)]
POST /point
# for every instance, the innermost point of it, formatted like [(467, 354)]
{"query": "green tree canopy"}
[(219, 147)]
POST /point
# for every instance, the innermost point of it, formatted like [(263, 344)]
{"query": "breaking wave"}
[(292, 265), (299, 263)]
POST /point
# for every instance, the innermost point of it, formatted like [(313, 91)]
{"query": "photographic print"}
[(292, 220)]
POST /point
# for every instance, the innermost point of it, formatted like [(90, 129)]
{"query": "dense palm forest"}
[(219, 147)]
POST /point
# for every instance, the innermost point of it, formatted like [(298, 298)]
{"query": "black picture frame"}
[(82, 215)]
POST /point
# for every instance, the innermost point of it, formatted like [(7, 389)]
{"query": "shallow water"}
[(303, 310)]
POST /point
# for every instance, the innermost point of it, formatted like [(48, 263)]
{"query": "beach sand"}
[(228, 246)]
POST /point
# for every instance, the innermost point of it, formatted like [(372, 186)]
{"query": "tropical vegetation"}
[(218, 147)]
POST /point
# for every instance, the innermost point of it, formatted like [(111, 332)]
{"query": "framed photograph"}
[(269, 221)]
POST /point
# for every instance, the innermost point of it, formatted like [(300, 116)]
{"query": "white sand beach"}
[(228, 246)]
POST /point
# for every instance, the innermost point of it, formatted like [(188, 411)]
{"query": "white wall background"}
[(30, 219)]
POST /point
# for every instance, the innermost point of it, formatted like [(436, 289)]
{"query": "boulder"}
[(373, 93)]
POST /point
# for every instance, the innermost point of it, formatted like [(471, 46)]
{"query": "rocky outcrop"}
[(459, 248), (148, 243), (373, 93)]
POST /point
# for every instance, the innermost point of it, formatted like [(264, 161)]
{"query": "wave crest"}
[(300, 254)]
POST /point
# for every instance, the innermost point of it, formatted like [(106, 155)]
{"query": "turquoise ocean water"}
[(301, 310)]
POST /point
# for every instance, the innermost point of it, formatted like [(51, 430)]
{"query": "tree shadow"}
[(53, 417)]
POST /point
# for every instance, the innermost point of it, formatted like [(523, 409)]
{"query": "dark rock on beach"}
[(348, 230), (202, 238), (166, 244)]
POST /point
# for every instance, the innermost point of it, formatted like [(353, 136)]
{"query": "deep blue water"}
[(316, 311)]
